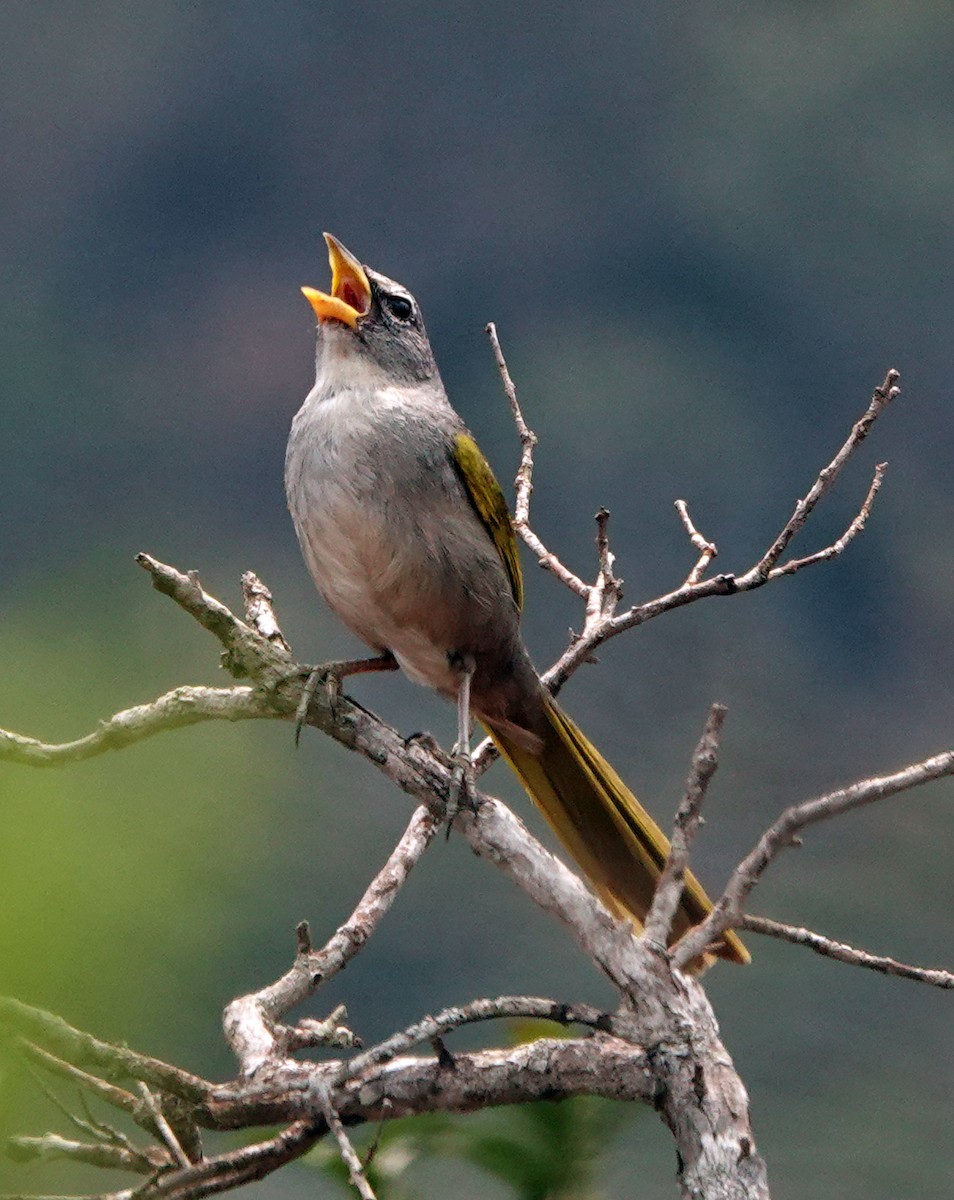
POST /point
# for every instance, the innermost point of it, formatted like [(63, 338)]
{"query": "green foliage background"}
[(704, 232)]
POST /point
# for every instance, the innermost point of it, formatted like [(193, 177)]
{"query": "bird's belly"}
[(385, 586)]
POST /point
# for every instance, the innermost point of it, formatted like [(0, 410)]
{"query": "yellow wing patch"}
[(488, 500)]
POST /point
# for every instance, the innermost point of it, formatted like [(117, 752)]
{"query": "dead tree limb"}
[(659, 1045)]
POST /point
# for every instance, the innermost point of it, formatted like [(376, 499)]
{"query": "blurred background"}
[(704, 234)]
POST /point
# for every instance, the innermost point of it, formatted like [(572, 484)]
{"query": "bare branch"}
[(727, 911), (881, 398), (543, 1069), (430, 1028), (116, 1096), (227, 1171), (55, 1034), (416, 765), (347, 1151), (211, 614), (668, 892), (259, 612), (528, 439), (102, 1133), (605, 593), (51, 1147), (248, 654), (310, 1032), (707, 550), (165, 1130), (524, 480), (125, 1194), (213, 1175), (407, 1085), (411, 763), (836, 548), (107, 1092), (842, 952), (764, 571), (251, 1022), (175, 710)]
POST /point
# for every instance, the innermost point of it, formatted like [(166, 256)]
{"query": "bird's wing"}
[(485, 495)]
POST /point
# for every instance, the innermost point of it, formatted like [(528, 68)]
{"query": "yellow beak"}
[(350, 296)]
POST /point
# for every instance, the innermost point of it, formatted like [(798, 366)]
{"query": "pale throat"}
[(340, 366)]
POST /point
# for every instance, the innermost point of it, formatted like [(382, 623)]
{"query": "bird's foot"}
[(324, 673), (331, 674), (460, 794)]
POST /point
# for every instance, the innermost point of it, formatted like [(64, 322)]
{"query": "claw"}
[(461, 791), (333, 673), (315, 677)]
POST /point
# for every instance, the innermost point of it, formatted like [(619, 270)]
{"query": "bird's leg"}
[(332, 674), (462, 778)]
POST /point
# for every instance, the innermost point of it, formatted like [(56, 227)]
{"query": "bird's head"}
[(368, 318)]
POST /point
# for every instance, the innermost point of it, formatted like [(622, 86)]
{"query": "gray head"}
[(368, 321)]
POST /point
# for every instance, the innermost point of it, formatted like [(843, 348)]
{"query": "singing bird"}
[(408, 537)]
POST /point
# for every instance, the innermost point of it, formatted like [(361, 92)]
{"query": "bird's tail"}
[(615, 842)]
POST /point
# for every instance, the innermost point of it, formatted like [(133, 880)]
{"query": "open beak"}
[(350, 296)]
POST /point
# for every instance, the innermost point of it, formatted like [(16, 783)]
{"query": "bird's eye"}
[(399, 307)]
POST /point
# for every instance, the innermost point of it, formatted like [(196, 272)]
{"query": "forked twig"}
[(252, 1022), (881, 398), (603, 622), (836, 548), (783, 832)]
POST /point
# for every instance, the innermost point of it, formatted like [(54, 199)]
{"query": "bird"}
[(409, 539)]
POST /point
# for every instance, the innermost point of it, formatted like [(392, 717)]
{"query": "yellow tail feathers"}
[(615, 842)]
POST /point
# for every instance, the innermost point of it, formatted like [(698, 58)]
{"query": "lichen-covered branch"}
[(181, 707), (382, 1084)]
